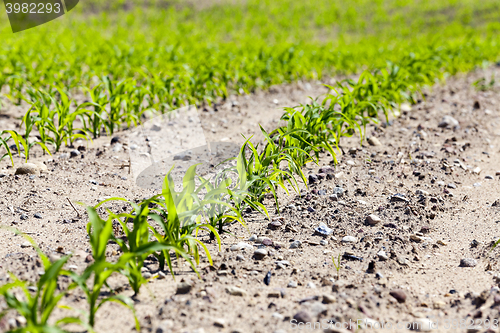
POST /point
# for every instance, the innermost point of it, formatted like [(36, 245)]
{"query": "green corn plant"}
[(264, 173), (219, 202), (55, 125), (117, 92), (337, 266), (95, 276), (138, 243), (4, 142), (98, 101), (37, 306), (179, 216), (25, 143), (62, 129)]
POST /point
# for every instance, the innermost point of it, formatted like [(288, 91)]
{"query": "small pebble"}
[(259, 254), (303, 317), (373, 219), (468, 262), (399, 295), (349, 239)]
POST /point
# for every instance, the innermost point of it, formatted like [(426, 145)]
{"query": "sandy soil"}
[(433, 188)]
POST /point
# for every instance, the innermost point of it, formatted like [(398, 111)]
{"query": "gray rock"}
[(323, 230), (316, 308), (421, 192), (118, 148), (349, 239), (398, 197), (448, 121), (296, 244), (235, 291), (165, 326), (26, 245), (183, 288), (382, 255), (275, 225), (74, 153), (303, 317), (28, 169), (278, 316), (416, 239), (259, 254), (292, 284), (240, 246), (374, 141), (338, 285), (267, 242), (313, 179), (220, 323), (402, 261), (373, 219), (423, 325), (329, 299), (338, 191), (274, 294), (468, 262), (399, 295)]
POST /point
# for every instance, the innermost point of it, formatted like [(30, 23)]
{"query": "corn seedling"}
[(37, 305), (337, 266), (100, 233), (4, 143)]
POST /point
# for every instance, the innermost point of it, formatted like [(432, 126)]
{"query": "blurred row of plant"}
[(113, 105), (181, 55)]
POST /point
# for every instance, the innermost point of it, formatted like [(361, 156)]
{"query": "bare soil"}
[(436, 208)]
